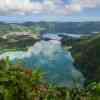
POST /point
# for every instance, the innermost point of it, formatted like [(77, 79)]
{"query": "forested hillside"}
[(87, 57)]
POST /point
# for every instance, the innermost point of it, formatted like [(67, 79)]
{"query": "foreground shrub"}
[(19, 83), (14, 83)]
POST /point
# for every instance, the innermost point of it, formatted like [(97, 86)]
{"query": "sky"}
[(49, 10)]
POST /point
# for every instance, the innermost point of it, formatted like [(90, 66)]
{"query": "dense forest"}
[(87, 56)]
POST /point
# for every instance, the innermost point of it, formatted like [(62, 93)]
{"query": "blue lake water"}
[(51, 57), (59, 36)]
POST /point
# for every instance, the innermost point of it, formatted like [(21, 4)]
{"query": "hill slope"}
[(88, 58)]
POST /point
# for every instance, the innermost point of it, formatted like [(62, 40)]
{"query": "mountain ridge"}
[(57, 27)]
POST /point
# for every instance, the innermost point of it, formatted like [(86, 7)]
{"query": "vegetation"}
[(87, 57), (10, 38), (19, 83), (53, 27)]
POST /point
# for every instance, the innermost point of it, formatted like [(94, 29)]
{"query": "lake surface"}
[(59, 36), (52, 59)]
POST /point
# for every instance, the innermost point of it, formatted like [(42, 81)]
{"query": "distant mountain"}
[(67, 27), (53, 27)]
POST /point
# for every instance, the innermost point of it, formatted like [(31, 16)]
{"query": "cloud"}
[(23, 7), (87, 3), (19, 7), (54, 7)]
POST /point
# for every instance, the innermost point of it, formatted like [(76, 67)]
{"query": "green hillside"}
[(87, 57)]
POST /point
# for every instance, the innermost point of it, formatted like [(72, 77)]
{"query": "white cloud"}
[(17, 6), (72, 8), (79, 5), (31, 7), (23, 7), (87, 3)]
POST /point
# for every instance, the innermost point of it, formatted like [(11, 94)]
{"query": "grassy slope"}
[(12, 42)]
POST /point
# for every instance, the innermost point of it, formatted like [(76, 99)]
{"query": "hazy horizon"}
[(23, 19)]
